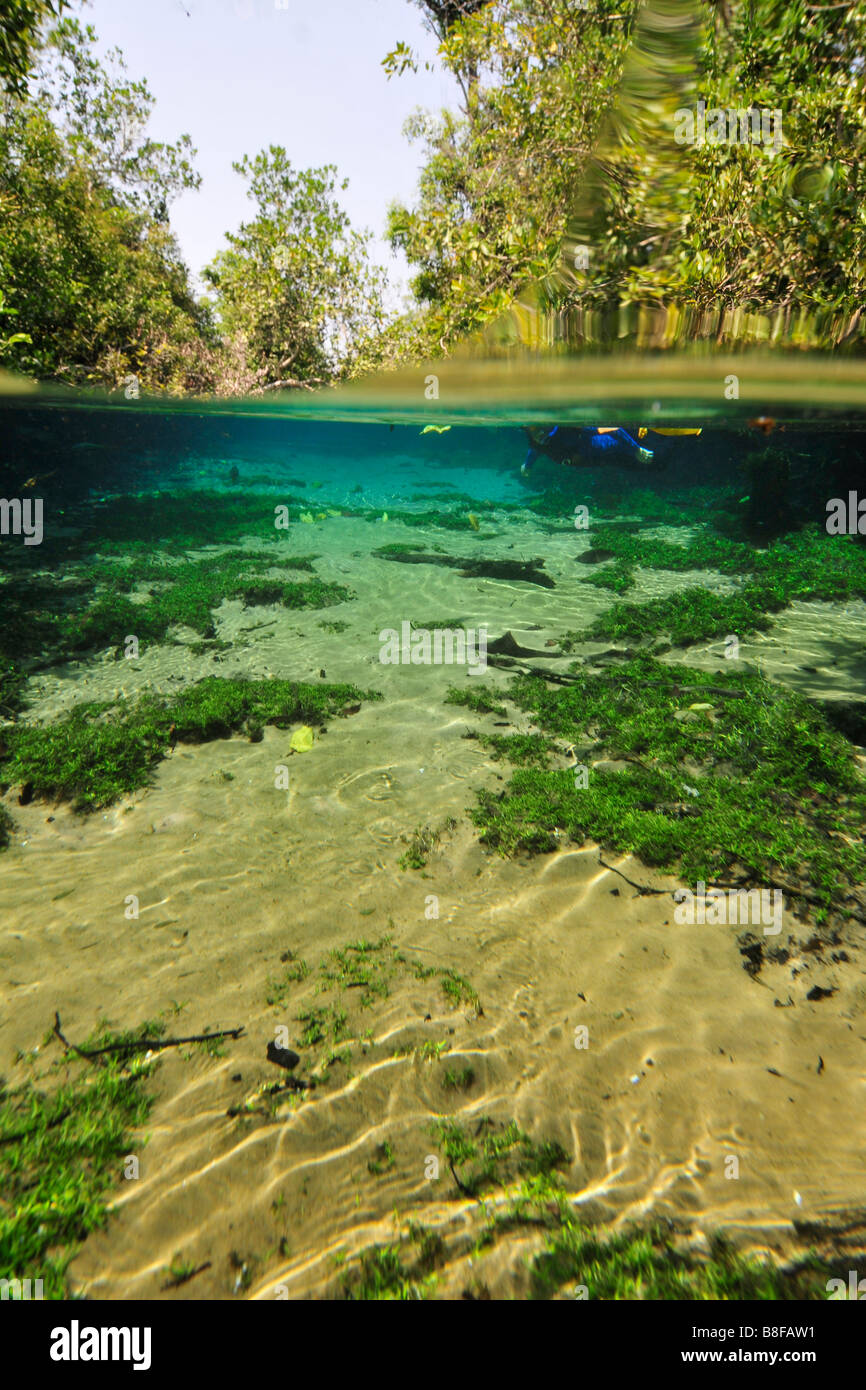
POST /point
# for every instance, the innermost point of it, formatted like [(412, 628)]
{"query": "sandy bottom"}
[(689, 1061)]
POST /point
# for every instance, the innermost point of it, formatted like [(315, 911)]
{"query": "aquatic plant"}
[(779, 798), (422, 843), (520, 749), (646, 1261), (378, 1273), (362, 974), (47, 623), (60, 1149), (482, 701), (495, 1156), (101, 751), (644, 1264), (804, 565), (383, 1160), (192, 592), (462, 1080)]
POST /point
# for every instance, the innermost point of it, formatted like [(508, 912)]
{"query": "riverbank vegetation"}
[(549, 150)]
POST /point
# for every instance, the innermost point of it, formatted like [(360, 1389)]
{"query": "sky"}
[(239, 75)]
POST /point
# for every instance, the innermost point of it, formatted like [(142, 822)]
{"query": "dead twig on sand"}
[(641, 887), (143, 1044)]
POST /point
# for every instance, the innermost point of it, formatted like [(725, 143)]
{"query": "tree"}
[(561, 187), (88, 265), (295, 287), (20, 24), (104, 117), (746, 227), (499, 178)]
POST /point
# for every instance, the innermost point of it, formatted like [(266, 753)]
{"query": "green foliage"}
[(808, 564), (99, 752), (520, 749), (295, 287), (20, 23), (186, 594), (59, 1151), (481, 699), (735, 242), (422, 843), (499, 177), (497, 1155), (777, 788), (383, 1161), (644, 1264), (462, 1080), (379, 1275), (361, 973), (87, 261)]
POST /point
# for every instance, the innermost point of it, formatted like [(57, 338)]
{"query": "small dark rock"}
[(282, 1056)]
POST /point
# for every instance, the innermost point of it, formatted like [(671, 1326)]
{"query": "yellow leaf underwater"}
[(302, 740), (308, 517)]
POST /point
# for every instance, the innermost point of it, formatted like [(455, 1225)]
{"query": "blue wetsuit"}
[(558, 447)]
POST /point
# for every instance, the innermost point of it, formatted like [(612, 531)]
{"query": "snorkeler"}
[(581, 448)]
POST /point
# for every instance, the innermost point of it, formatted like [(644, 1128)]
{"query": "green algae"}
[(494, 1154), (61, 1148), (102, 751), (805, 565), (758, 784), (643, 1263)]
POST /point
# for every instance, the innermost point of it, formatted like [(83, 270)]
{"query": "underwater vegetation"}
[(422, 842), (727, 775), (368, 969), (803, 565), (646, 1261), (124, 568), (194, 590), (61, 1148), (101, 751)]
